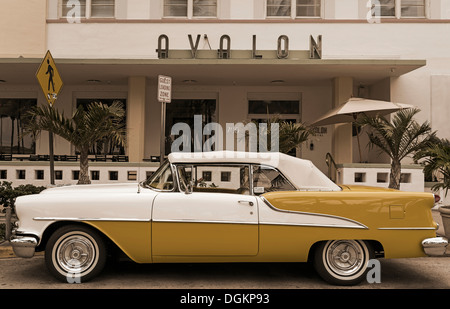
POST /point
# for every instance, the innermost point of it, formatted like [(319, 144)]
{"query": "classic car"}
[(223, 207)]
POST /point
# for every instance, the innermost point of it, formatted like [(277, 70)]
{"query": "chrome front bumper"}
[(23, 246), (435, 246)]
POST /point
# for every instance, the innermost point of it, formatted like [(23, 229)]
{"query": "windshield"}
[(162, 179)]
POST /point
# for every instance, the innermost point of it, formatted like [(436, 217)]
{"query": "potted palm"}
[(401, 137), (437, 162)]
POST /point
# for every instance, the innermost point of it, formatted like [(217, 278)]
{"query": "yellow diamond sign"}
[(49, 78)]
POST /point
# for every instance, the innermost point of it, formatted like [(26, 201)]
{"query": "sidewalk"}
[(6, 251)]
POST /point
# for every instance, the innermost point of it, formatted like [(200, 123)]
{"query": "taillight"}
[(437, 198)]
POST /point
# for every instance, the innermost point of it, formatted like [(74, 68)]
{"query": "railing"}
[(330, 163), (33, 157)]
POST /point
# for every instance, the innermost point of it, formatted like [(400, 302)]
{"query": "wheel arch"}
[(375, 245), (58, 224)]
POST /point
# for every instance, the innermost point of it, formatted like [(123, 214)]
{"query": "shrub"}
[(8, 193)]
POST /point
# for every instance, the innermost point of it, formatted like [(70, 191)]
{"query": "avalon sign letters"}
[(224, 51)]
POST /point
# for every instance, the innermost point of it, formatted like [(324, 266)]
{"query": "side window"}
[(269, 179), (185, 176), (209, 178), (162, 179)]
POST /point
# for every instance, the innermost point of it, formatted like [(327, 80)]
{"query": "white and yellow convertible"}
[(222, 207)]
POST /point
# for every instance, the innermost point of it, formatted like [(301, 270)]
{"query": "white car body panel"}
[(118, 202)]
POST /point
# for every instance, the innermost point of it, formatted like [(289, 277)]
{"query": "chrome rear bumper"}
[(435, 246)]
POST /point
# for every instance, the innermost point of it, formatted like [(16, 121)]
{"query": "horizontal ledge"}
[(214, 61), (301, 20), (378, 165)]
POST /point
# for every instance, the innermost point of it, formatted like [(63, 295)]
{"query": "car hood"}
[(98, 188)]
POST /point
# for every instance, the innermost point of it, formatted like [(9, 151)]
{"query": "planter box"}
[(377, 175), (445, 215)]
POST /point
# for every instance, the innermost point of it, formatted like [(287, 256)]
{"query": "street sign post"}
[(164, 96), (51, 84)]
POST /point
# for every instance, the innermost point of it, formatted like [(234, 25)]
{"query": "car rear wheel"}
[(75, 254), (343, 262)]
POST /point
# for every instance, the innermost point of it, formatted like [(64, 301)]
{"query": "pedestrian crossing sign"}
[(49, 79)]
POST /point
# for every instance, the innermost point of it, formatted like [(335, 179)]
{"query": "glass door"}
[(184, 111)]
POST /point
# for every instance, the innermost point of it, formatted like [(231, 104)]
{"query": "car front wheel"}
[(343, 262), (75, 254)]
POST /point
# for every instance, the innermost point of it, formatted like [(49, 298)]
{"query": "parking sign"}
[(164, 89)]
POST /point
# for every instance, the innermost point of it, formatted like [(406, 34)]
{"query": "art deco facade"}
[(230, 61)]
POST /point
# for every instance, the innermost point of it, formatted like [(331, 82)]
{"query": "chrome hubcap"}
[(345, 257), (76, 253)]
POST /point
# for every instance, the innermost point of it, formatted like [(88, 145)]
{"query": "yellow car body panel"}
[(399, 221), (133, 238)]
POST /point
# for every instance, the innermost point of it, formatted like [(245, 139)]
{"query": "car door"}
[(217, 216)]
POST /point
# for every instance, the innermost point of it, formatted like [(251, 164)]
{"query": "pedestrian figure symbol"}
[(50, 76)]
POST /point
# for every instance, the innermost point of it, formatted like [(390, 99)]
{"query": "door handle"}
[(246, 202)]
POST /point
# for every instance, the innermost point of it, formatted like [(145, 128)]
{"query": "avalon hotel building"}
[(230, 61)]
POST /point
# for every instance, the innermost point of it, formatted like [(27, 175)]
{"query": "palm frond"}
[(85, 127), (400, 137)]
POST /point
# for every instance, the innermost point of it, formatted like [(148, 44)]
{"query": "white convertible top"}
[(302, 173)]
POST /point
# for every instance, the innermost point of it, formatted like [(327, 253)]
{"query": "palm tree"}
[(437, 162), (399, 138), (290, 135), (83, 129)]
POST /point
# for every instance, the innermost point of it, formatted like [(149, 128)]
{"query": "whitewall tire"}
[(343, 262), (75, 254)]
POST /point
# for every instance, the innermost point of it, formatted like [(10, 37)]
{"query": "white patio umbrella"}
[(354, 108)]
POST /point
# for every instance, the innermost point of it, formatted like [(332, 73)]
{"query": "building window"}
[(102, 8), (206, 8), (3, 174), (190, 8), (294, 8), (113, 175), (185, 111), (383, 8), (308, 8), (95, 175), (175, 8), (75, 175), (132, 175), (398, 8), (207, 176), (279, 8), (274, 107), (39, 174), (412, 8), (20, 174), (88, 8), (225, 176), (58, 175), (13, 119)]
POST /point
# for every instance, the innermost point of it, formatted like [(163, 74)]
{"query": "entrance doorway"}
[(183, 111)]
